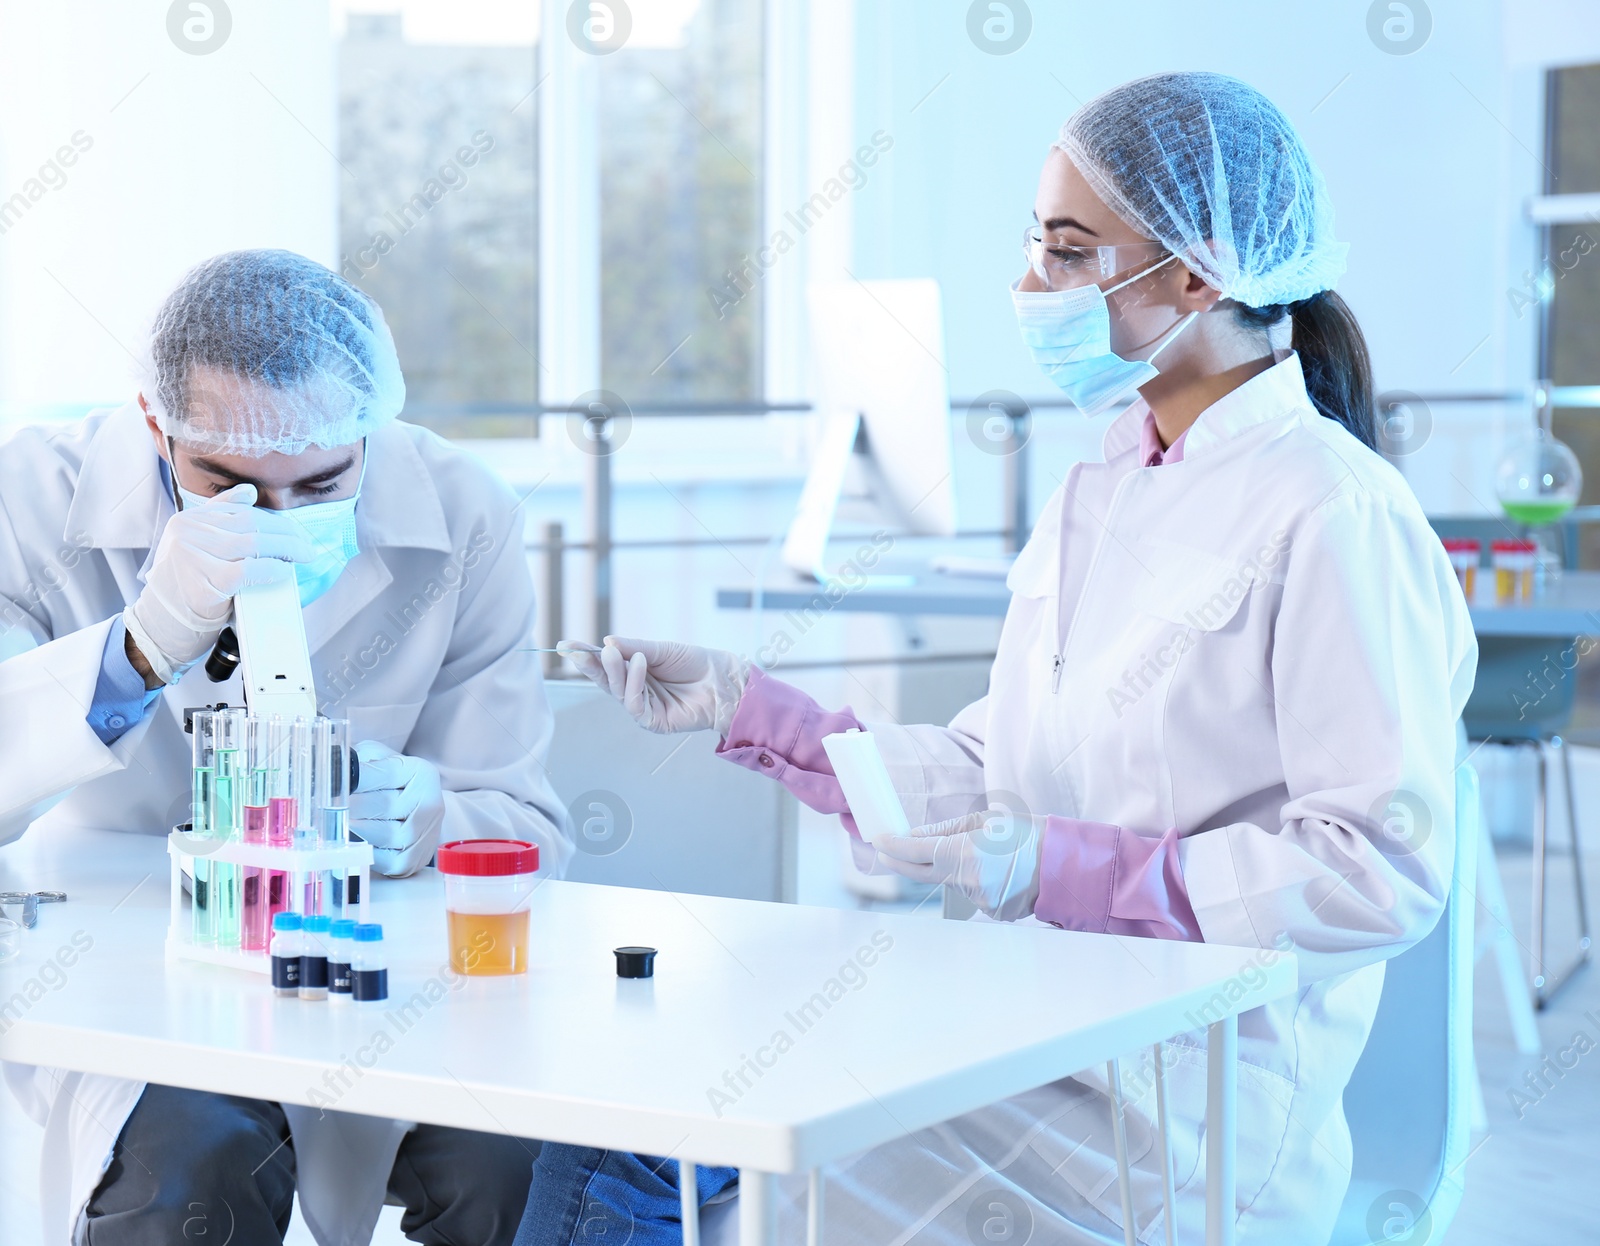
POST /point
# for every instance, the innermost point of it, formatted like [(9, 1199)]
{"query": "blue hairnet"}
[(262, 351), (1207, 166)]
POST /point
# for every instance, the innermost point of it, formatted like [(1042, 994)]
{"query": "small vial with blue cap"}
[(287, 945), (369, 970), (314, 957), (341, 950)]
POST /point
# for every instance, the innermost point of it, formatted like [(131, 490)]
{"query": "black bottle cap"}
[(636, 962)]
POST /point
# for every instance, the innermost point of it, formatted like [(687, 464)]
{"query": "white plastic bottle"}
[(314, 958), (287, 944), (369, 969), (341, 947)]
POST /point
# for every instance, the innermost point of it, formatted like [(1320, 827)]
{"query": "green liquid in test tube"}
[(228, 735), (202, 820)]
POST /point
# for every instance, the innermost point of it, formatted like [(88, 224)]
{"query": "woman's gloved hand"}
[(991, 857), (202, 559), (398, 808), (666, 686)]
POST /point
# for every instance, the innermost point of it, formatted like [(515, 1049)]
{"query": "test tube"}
[(256, 890), (333, 799), (302, 772), (202, 813), (227, 737), (281, 815), (281, 812)]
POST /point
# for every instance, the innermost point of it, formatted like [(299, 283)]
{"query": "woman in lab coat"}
[(1232, 664)]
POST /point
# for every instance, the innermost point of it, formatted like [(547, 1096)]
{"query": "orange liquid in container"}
[(488, 884), (488, 944)]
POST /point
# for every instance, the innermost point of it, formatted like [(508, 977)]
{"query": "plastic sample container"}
[(1514, 563), (487, 886), (1465, 555)]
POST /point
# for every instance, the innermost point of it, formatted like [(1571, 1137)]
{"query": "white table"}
[(574, 1054), (1569, 607)]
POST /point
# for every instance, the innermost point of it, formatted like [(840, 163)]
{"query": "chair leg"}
[(1536, 952), (1545, 988), (1584, 942)]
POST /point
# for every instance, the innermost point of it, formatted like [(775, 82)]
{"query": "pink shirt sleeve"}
[(1101, 878), (1092, 876), (777, 731)]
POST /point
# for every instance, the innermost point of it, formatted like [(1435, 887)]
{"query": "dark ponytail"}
[(1333, 356)]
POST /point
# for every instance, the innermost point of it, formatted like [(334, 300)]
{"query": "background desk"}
[(572, 1053), (1570, 607), (931, 593)]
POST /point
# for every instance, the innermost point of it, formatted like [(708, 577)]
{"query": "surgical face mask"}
[(1068, 332), (329, 526)]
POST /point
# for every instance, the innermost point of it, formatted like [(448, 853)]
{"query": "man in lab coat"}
[(264, 429)]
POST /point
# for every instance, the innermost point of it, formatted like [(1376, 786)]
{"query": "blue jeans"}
[(585, 1196), (195, 1168)]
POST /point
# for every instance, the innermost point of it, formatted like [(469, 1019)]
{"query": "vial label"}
[(286, 973), (338, 978), (369, 984), (313, 973)]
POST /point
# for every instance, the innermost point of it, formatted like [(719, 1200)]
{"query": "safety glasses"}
[(1063, 267)]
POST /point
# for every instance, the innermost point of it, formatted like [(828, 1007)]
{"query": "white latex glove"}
[(398, 808), (666, 686), (991, 857), (202, 559)]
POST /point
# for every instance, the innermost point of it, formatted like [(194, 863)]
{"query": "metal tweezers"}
[(30, 902)]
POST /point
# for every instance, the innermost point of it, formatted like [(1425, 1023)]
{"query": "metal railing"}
[(599, 417)]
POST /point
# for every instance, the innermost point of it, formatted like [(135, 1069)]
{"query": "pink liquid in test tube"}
[(255, 824), (282, 811), (256, 919)]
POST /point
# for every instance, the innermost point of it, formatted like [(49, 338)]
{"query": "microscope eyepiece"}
[(224, 659)]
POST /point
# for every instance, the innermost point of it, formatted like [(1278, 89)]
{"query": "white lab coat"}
[(1259, 645), (417, 643)]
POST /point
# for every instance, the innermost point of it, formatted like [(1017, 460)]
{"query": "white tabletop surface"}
[(951, 1016)]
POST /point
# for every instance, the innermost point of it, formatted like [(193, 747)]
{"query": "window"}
[(1570, 272), (438, 213), (449, 248), (680, 188)]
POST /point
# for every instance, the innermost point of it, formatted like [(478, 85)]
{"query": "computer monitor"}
[(882, 394)]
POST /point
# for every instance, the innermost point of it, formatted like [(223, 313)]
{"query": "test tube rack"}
[(352, 859)]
